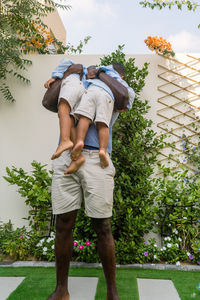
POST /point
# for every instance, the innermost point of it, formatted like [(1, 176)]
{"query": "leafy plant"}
[(14, 243), (35, 189), (135, 149), (22, 31)]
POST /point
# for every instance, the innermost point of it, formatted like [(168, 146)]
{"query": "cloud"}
[(86, 14), (185, 42)]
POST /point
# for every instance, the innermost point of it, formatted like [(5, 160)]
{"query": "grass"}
[(40, 282)]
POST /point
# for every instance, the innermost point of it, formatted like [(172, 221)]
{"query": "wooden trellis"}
[(180, 99)]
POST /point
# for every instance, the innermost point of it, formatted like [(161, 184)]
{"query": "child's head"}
[(119, 68)]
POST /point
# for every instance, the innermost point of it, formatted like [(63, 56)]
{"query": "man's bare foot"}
[(58, 296), (75, 165), (61, 148), (103, 159), (76, 151)]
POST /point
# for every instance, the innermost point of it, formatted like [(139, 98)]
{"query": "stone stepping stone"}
[(157, 289), (83, 288), (8, 285)]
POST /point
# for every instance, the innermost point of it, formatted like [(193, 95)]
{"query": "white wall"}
[(30, 132)]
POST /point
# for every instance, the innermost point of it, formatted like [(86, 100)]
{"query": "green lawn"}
[(40, 282)]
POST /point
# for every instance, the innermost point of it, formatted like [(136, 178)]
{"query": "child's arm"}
[(63, 66)]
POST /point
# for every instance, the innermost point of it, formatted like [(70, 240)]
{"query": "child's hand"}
[(92, 72), (49, 82)]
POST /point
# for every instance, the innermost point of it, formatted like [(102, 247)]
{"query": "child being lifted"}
[(86, 98)]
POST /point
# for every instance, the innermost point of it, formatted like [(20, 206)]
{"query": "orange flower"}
[(159, 45)]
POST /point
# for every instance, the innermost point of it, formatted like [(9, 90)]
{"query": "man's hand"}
[(92, 72), (76, 69), (49, 82), (122, 110)]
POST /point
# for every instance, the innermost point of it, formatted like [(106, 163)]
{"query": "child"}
[(96, 105), (72, 88)]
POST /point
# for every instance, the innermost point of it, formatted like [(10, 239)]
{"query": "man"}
[(96, 186)]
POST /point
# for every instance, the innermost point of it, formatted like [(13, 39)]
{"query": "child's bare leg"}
[(103, 133), (65, 128), (82, 129), (75, 165)]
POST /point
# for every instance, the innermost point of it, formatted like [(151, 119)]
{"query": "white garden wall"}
[(30, 132)]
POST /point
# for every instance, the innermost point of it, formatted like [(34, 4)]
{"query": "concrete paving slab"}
[(83, 288), (79, 287), (8, 285), (157, 289)]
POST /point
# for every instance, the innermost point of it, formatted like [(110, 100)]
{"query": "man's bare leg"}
[(65, 128), (106, 249), (103, 133), (82, 129), (63, 252)]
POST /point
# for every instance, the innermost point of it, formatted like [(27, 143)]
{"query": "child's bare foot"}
[(103, 159), (75, 165), (61, 148), (76, 151)]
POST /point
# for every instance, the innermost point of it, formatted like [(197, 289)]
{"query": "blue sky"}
[(114, 22)]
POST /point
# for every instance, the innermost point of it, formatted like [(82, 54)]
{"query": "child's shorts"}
[(96, 104), (71, 90)]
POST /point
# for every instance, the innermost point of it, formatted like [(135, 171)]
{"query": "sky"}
[(115, 22)]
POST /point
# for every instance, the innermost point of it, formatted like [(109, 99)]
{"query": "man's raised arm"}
[(120, 92), (50, 99)]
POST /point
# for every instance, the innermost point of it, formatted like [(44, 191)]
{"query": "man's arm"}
[(120, 92), (50, 99)]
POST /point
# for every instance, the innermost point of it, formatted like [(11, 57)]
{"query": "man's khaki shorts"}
[(71, 90), (96, 104), (91, 183)]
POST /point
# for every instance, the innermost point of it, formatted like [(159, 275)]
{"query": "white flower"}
[(188, 253), (177, 245), (50, 239), (155, 245), (178, 263), (169, 245), (52, 234), (44, 253), (156, 223), (45, 249), (193, 295), (180, 239), (175, 231), (167, 238), (164, 248), (52, 246), (170, 224), (155, 256), (185, 218), (161, 249)]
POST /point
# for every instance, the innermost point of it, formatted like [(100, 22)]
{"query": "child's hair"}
[(119, 68)]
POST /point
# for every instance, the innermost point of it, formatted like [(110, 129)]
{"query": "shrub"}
[(14, 243), (35, 189)]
